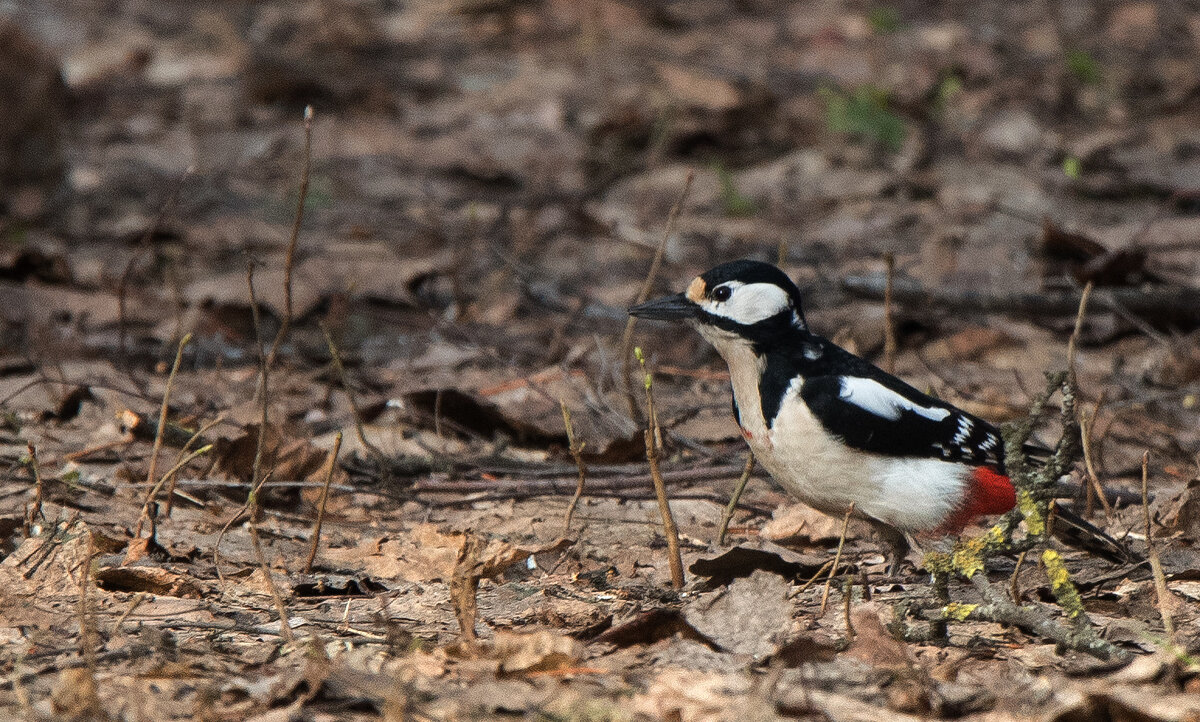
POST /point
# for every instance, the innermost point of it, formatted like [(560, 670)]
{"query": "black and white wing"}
[(883, 415)]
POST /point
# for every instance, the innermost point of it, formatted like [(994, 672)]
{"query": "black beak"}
[(667, 308)]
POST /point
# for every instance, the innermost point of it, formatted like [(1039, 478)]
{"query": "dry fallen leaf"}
[(540, 651)]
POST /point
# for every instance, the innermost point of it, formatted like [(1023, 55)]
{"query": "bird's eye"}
[(721, 294)]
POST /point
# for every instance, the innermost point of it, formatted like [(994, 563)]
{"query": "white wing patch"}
[(750, 302), (965, 426), (873, 396)]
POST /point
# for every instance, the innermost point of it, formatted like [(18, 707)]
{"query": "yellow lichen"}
[(968, 556), (1033, 517), (937, 563), (957, 611), (1061, 584)]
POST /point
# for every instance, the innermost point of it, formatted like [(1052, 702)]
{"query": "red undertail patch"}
[(989, 492)]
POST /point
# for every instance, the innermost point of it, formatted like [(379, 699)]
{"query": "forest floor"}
[(484, 189)]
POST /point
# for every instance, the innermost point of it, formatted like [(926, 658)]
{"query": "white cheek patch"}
[(750, 302), (873, 396)]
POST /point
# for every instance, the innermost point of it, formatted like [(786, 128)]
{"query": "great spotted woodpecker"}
[(832, 428)]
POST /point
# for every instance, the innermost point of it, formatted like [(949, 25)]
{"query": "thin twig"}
[(889, 321), (1160, 580), (264, 369), (316, 532), (35, 511), (180, 463), (285, 627), (152, 493), (847, 598), (1014, 583), (575, 448), (1073, 342), (151, 473), (336, 358), (731, 507), (837, 559), (1095, 490), (289, 259), (87, 644), (652, 435), (133, 605), (627, 337)]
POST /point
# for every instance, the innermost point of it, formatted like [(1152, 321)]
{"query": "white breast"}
[(910, 494)]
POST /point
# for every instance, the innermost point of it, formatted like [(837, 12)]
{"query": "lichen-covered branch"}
[(968, 559)]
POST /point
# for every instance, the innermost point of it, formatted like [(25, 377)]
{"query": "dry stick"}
[(1094, 489), (180, 463), (263, 372), (837, 559), (224, 529), (652, 435), (152, 493), (627, 338), (285, 627), (289, 259), (731, 507), (847, 598), (256, 477), (87, 648), (316, 532), (1014, 584), (158, 434), (35, 511), (576, 450), (996, 608), (889, 322), (336, 358), (1160, 580), (133, 605)]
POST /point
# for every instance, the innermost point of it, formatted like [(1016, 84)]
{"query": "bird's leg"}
[(896, 546)]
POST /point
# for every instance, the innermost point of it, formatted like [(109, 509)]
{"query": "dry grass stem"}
[(152, 472), (180, 462), (847, 598), (1160, 580), (813, 579), (576, 450), (1095, 491), (1014, 582), (652, 434), (648, 285), (289, 259), (133, 605), (152, 493), (87, 641), (285, 627), (1073, 342), (837, 559), (889, 320), (316, 532), (731, 507), (35, 510), (336, 358)]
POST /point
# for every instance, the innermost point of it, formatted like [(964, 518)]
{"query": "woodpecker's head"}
[(741, 300)]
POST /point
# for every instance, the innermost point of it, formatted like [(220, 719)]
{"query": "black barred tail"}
[(1075, 531)]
